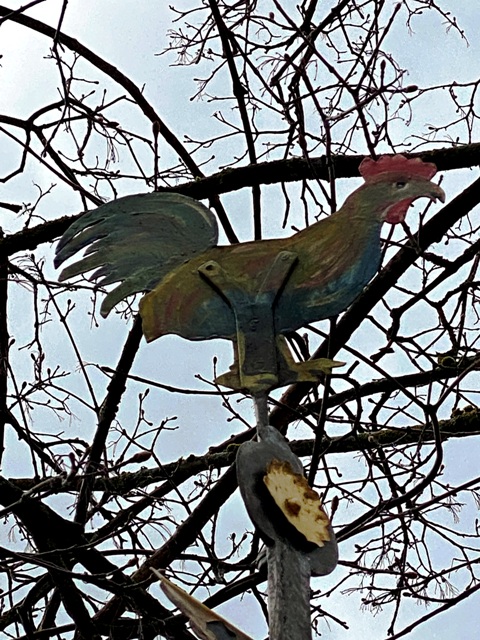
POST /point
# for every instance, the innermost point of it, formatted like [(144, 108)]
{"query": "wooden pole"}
[(288, 572)]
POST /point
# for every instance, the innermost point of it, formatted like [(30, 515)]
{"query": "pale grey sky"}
[(129, 34)]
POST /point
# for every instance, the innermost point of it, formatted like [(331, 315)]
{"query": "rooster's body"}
[(336, 258)]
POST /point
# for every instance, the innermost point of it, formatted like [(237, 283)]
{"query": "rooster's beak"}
[(437, 193)]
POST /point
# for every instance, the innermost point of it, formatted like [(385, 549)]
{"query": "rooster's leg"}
[(309, 371)]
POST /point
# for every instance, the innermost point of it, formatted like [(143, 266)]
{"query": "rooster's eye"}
[(400, 184)]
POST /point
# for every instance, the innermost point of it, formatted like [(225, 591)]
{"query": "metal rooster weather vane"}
[(251, 293)]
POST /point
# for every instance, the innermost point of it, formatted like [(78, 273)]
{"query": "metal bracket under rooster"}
[(253, 294)]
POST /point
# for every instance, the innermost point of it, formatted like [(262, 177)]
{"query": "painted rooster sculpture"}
[(249, 292)]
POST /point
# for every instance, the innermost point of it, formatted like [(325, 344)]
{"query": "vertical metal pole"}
[(288, 593), (260, 403), (288, 572)]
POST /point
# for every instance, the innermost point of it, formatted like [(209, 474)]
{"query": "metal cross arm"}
[(262, 359), (257, 367)]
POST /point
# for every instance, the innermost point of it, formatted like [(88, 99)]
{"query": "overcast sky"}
[(129, 34)]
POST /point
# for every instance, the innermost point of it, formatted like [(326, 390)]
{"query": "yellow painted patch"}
[(300, 504)]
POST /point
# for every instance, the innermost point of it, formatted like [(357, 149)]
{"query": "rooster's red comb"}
[(388, 164)]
